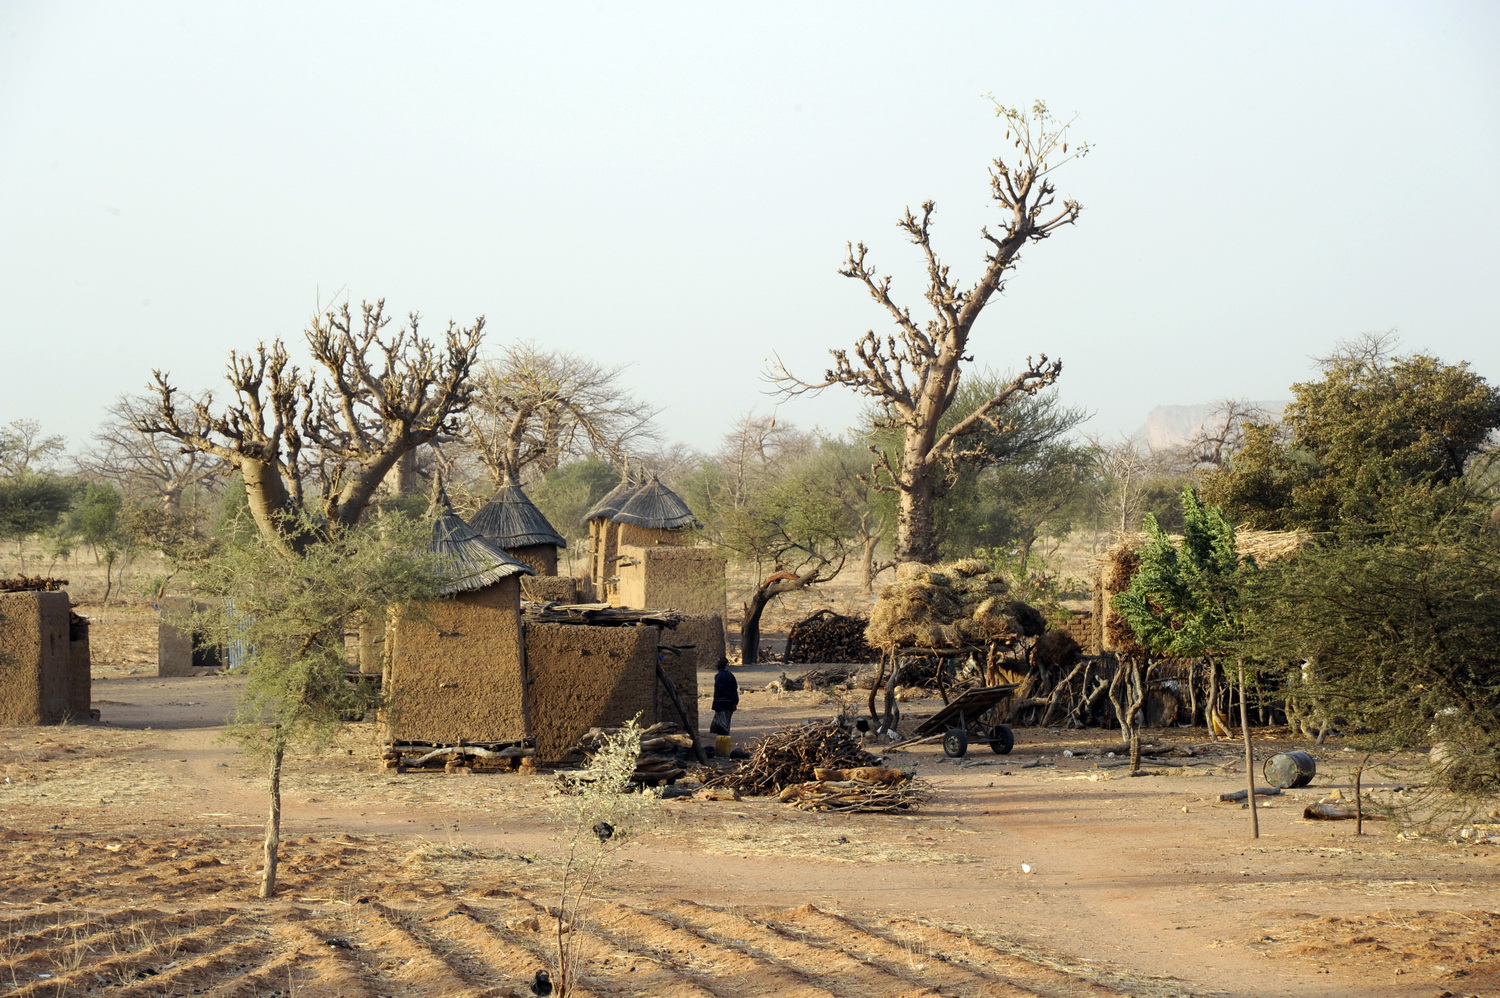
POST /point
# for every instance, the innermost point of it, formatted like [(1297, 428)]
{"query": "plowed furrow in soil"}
[(336, 969), (508, 955), (26, 934), (276, 976), (950, 975), (426, 962), (829, 966), (91, 963), (734, 970), (650, 968), (198, 975), (1011, 967)]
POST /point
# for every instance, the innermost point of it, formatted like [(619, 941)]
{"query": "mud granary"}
[(644, 552), (473, 669), (44, 654)]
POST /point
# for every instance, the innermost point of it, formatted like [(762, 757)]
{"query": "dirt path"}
[(130, 850)]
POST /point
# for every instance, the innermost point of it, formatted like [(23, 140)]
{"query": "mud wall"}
[(705, 632), (540, 558), (36, 667), (583, 677), (689, 579), (1083, 627), (550, 589), (177, 653), (454, 669)]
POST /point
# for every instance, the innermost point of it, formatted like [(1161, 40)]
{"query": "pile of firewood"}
[(816, 679), (856, 795), (829, 637), (793, 755), (664, 747)]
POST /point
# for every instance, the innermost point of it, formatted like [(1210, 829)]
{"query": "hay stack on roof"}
[(656, 507), (964, 603), (465, 560), (510, 520)]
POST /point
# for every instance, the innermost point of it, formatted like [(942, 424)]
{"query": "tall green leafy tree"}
[(1377, 432), (29, 504), (1187, 601)]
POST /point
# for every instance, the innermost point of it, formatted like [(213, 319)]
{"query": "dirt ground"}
[(131, 850)]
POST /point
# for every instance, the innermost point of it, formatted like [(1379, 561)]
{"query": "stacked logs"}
[(829, 637), (879, 795), (793, 755), (28, 584), (664, 748)]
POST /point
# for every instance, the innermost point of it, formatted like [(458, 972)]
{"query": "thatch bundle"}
[(1266, 546), (963, 603), (1120, 563)]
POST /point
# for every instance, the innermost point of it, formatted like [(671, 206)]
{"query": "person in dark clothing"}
[(726, 698)]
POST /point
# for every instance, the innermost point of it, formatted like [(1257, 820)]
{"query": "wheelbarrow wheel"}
[(1002, 739), (955, 743)]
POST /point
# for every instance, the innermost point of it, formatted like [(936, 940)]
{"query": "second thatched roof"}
[(615, 498), (466, 560), (656, 506), (510, 520)]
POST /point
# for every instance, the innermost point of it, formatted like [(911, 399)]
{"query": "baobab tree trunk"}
[(916, 533)]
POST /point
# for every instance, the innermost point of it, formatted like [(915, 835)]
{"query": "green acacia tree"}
[(1187, 601), (1360, 441), (1396, 628), (289, 613)]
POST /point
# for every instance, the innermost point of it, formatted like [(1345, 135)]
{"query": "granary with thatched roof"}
[(455, 668), (512, 523), (603, 536), (474, 670)]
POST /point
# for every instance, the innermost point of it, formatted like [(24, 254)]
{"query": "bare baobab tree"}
[(149, 466), (534, 407), (913, 374), (337, 430)]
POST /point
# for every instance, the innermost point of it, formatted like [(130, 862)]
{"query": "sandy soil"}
[(131, 854)]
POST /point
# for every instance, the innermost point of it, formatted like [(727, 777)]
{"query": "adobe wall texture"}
[(454, 669), (689, 579), (705, 632), (550, 589), (36, 664), (176, 653), (540, 558), (1083, 627), (584, 677)]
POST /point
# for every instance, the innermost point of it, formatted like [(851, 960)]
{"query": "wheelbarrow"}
[(960, 725)]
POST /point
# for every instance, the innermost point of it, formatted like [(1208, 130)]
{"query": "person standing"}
[(726, 698)]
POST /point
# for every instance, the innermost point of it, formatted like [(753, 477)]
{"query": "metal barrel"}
[(1290, 769)]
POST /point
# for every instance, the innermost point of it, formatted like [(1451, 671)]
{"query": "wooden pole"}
[(671, 688), (1249, 756)]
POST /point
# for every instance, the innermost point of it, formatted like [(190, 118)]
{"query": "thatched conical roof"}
[(655, 506), (613, 500), (510, 520), (466, 561)]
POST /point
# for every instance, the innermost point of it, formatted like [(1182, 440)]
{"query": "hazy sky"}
[(671, 186)]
